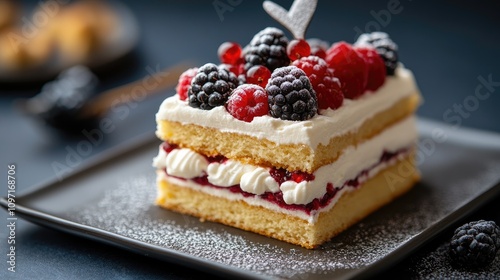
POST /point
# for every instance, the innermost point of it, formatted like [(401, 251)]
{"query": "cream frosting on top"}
[(318, 130)]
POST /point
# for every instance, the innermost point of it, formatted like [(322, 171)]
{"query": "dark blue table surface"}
[(451, 46)]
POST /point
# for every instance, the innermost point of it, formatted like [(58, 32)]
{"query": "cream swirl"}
[(228, 173), (185, 163), (159, 160), (259, 181)]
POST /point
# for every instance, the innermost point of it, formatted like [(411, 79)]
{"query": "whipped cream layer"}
[(355, 160), (318, 130)]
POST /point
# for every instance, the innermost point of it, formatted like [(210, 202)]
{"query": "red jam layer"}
[(282, 175)]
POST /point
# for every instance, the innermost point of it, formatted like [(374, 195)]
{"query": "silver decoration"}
[(297, 19)]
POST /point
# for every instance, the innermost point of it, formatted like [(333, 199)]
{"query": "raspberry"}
[(268, 48), (376, 68), (324, 83), (475, 244), (385, 47), (247, 101), (291, 96), (349, 67), (318, 47), (185, 83), (211, 87), (297, 49)]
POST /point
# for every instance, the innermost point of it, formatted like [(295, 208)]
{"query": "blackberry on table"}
[(268, 48), (290, 95), (384, 46), (60, 101), (475, 244), (211, 87)]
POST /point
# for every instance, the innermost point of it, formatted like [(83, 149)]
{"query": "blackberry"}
[(268, 48), (290, 94), (475, 244), (384, 46), (59, 102), (211, 87)]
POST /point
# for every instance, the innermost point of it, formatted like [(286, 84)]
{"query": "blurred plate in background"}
[(91, 33)]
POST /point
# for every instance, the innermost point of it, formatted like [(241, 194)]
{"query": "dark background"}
[(448, 45)]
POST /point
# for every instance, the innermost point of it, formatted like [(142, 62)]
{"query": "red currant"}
[(229, 52), (321, 53), (297, 49), (238, 68), (318, 47), (258, 75)]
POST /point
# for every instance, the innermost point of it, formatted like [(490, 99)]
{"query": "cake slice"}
[(297, 143)]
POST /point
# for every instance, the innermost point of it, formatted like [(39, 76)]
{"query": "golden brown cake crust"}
[(349, 209), (262, 152)]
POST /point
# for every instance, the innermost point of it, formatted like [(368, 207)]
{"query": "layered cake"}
[(290, 138)]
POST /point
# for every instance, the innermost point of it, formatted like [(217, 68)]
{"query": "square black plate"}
[(112, 200)]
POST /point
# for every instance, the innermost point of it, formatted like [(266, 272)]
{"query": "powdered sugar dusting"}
[(127, 209)]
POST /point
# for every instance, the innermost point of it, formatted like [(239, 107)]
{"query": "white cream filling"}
[(318, 130), (185, 163), (348, 166), (255, 201), (259, 181)]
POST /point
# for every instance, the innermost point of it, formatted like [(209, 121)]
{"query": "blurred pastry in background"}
[(8, 13), (19, 52), (83, 28), (74, 33)]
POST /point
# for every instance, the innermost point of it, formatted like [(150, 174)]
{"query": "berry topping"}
[(324, 83), (185, 83), (237, 69), (258, 75), (268, 48), (299, 176), (291, 96), (297, 49), (475, 244), (211, 87), (376, 68), (279, 175), (384, 46), (247, 101), (318, 47), (167, 147), (229, 53), (350, 67)]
